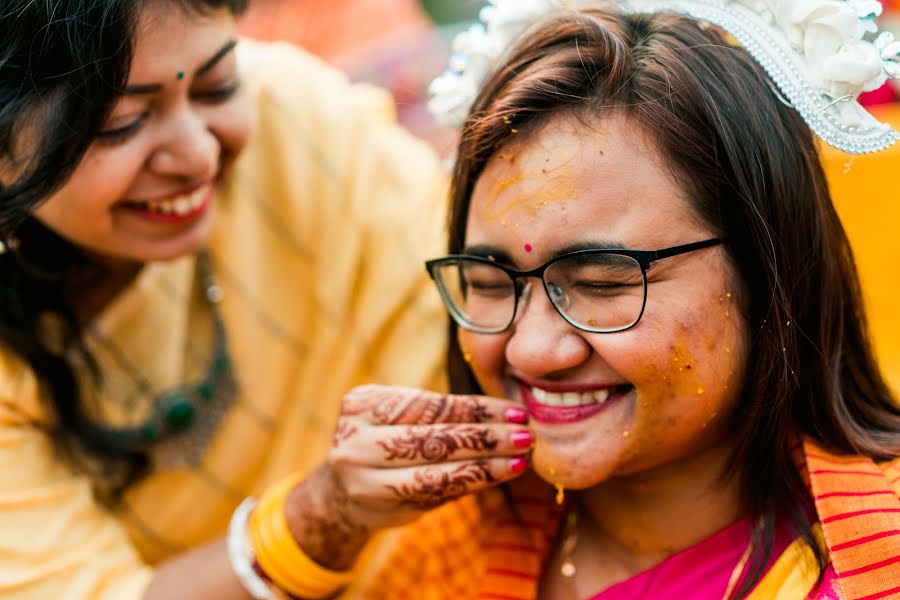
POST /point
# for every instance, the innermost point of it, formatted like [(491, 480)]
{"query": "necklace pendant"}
[(567, 569)]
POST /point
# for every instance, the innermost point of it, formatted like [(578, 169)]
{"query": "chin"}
[(570, 472), (189, 242)]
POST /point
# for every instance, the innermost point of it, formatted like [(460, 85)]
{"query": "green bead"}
[(206, 390), (179, 412)]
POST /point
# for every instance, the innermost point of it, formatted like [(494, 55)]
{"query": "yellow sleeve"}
[(399, 195), (55, 540), (364, 203)]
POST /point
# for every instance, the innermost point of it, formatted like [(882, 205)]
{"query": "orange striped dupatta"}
[(517, 546), (859, 511), (477, 548)]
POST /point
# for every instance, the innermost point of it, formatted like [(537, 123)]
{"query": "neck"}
[(644, 518), (97, 284)]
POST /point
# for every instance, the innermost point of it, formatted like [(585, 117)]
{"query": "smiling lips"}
[(176, 209), (570, 406)]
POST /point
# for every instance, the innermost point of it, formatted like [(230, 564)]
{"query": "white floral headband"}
[(815, 51)]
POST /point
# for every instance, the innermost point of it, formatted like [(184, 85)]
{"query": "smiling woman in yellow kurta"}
[(318, 244)]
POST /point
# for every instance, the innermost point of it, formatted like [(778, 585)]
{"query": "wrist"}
[(320, 518), (266, 555)]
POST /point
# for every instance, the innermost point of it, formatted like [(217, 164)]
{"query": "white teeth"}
[(180, 205), (569, 398)]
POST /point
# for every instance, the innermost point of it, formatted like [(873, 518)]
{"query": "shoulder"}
[(326, 153), (304, 85)]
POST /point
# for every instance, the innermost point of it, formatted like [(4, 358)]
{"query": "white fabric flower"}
[(830, 34), (480, 50), (507, 19), (890, 53), (452, 95), (476, 51), (854, 68), (867, 11)]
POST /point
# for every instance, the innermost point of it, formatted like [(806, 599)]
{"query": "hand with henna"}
[(397, 453)]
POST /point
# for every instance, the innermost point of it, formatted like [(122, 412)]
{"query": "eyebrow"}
[(152, 88), (228, 47), (485, 250)]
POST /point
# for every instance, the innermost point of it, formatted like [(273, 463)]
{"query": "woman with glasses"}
[(645, 266)]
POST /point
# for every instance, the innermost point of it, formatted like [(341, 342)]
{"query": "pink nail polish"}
[(517, 464), (522, 438), (516, 415)]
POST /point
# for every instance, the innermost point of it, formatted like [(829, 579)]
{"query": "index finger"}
[(397, 405)]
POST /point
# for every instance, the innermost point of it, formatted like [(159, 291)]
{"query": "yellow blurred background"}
[(866, 191)]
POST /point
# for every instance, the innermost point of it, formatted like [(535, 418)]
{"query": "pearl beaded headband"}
[(820, 54)]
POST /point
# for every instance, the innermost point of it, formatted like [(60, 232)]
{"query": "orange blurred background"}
[(866, 192)]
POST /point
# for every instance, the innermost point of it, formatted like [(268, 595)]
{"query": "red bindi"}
[(527, 247)]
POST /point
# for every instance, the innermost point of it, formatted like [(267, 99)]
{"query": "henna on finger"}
[(410, 406), (434, 408), (437, 444), (344, 431), (435, 485), (369, 397), (443, 409)]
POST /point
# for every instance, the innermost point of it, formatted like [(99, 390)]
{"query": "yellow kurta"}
[(320, 236)]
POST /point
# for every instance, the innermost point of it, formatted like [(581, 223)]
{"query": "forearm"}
[(201, 573), (317, 513)]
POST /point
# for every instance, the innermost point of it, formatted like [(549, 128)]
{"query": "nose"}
[(541, 341), (189, 150)]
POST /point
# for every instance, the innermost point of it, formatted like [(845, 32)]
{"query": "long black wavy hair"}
[(63, 64)]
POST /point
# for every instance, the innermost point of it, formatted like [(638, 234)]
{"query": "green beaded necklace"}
[(184, 419)]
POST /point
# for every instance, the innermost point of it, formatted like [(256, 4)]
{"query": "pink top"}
[(702, 571)]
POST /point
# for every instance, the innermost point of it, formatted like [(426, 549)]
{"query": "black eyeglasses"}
[(599, 291)]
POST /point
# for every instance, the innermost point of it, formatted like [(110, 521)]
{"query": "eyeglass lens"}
[(595, 292)]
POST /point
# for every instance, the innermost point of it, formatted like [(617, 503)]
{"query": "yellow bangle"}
[(278, 553), (281, 557)]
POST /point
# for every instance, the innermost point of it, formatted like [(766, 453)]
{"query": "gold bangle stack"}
[(279, 555)]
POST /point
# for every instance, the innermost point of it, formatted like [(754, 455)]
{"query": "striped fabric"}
[(476, 547), (859, 510)]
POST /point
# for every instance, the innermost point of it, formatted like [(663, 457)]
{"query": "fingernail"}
[(522, 438), (516, 415), (517, 464)]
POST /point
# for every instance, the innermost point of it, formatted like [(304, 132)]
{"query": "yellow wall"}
[(866, 192)]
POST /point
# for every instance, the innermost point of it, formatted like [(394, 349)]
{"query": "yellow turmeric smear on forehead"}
[(534, 191)]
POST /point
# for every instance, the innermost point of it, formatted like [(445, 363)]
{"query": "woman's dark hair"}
[(749, 165), (63, 63)]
